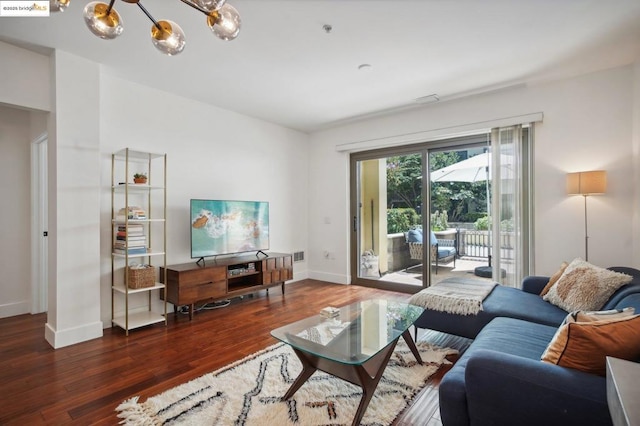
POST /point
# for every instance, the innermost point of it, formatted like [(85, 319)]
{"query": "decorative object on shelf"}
[(585, 184), (140, 178), (141, 276), (167, 36), (131, 213)]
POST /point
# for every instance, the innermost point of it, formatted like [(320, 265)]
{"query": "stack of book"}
[(131, 213), (130, 239), (330, 312)]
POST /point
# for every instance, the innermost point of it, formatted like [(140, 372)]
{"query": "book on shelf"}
[(135, 250), (131, 245), (121, 218), (133, 212), (131, 227), (131, 238), (129, 234)]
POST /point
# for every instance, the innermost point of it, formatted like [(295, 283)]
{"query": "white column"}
[(74, 203)]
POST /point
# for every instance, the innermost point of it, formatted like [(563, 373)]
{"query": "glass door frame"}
[(454, 143)]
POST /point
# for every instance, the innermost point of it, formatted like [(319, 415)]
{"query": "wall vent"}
[(298, 256)]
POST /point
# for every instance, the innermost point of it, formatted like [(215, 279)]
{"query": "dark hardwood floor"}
[(83, 383)]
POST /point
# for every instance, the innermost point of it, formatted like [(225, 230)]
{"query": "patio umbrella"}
[(474, 169)]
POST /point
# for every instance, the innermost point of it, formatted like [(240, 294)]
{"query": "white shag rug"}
[(249, 392)]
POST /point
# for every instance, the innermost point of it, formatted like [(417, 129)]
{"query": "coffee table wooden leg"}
[(412, 346), (368, 385), (307, 371), (369, 374)]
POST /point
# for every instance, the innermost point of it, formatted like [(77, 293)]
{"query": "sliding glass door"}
[(387, 205), (423, 213)]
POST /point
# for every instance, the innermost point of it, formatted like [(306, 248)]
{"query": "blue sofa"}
[(500, 380)]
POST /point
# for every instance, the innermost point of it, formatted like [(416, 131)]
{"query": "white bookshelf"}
[(132, 308)]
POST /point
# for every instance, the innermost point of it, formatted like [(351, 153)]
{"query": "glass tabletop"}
[(354, 333)]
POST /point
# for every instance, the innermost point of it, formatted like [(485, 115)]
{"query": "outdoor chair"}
[(442, 251)]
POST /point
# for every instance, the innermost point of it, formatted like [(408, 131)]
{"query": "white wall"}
[(587, 125), (636, 160), (211, 153), (25, 78), (15, 213)]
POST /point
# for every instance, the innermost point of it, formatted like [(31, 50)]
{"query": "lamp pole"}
[(586, 235)]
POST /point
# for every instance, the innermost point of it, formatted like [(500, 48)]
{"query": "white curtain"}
[(511, 183)]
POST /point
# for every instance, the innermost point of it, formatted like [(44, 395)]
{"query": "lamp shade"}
[(587, 183)]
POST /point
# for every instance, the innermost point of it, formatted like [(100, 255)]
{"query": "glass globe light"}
[(169, 38), (210, 5), (106, 26), (58, 5), (225, 22)]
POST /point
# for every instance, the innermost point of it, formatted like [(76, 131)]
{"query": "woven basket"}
[(141, 277)]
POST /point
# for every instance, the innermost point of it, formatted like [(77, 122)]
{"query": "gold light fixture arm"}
[(213, 16), (146, 12), (104, 21), (110, 6)]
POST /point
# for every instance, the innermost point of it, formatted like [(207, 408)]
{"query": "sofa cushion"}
[(610, 315), (445, 252), (584, 286), (501, 302), (554, 278), (506, 335), (584, 340), (433, 241), (414, 236)]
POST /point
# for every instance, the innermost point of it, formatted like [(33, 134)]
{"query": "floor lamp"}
[(585, 184)]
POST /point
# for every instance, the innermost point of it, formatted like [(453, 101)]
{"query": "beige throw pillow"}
[(554, 278), (609, 316), (585, 287), (585, 339)]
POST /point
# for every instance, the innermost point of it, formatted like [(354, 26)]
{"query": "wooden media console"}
[(219, 279)]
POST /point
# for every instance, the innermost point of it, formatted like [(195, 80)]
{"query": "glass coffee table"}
[(354, 345)]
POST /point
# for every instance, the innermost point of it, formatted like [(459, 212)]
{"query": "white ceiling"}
[(284, 68)]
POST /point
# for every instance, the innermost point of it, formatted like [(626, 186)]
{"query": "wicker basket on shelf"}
[(141, 277)]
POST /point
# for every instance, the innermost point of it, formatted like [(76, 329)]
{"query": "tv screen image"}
[(224, 227)]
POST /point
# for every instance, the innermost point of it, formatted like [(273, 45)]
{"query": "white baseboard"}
[(15, 308), (71, 336), (332, 278), (299, 276)]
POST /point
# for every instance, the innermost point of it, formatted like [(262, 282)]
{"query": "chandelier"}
[(167, 36)]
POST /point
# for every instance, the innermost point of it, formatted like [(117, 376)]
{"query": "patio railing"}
[(472, 243), (469, 243)]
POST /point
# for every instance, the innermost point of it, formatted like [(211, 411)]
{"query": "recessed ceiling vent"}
[(427, 99)]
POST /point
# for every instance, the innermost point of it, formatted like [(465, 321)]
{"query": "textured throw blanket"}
[(454, 296)]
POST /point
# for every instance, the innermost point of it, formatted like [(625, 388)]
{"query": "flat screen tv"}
[(220, 227)]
